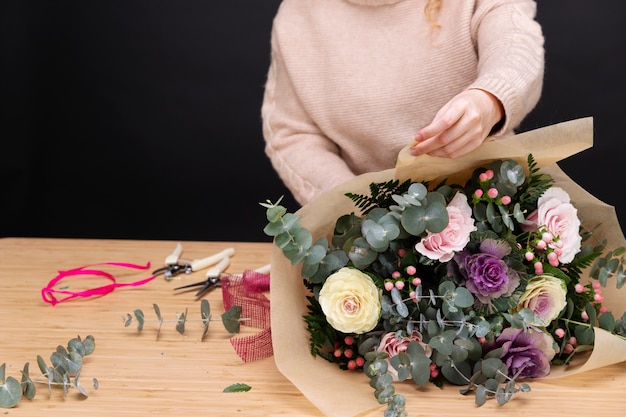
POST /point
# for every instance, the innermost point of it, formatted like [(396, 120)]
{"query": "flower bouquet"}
[(485, 275)]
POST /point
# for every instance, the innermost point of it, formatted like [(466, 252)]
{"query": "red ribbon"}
[(247, 291), (48, 293)]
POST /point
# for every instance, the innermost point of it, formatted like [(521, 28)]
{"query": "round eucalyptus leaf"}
[(385, 395), (457, 373), (417, 190), (459, 351), (481, 395), (402, 364), (463, 298), (230, 319), (10, 393), (90, 343), (435, 197), (436, 217), (413, 220), (309, 269), (275, 212), (513, 172), (491, 366), (518, 213), (59, 362), (316, 253), (77, 345), (74, 363), (361, 254)]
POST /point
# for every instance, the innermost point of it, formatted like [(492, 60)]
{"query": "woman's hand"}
[(460, 126)]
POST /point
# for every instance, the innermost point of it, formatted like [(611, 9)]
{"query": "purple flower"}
[(527, 351), (486, 274)]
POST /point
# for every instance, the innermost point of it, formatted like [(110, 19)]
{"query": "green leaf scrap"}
[(238, 387)]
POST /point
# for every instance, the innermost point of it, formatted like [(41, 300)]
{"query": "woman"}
[(352, 82)]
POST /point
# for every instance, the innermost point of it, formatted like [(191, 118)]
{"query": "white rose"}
[(545, 296), (351, 301)]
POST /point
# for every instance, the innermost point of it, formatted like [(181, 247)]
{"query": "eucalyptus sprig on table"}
[(231, 319), (64, 372)]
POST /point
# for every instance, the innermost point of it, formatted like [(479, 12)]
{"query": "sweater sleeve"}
[(511, 56), (305, 159)]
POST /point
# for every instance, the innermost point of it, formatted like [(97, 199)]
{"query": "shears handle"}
[(216, 270), (212, 260), (172, 259)]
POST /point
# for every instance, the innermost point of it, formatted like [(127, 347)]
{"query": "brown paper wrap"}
[(340, 393)]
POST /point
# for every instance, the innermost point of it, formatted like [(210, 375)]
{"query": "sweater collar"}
[(374, 2)]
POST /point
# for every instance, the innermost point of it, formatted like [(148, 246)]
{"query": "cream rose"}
[(545, 296), (351, 301)]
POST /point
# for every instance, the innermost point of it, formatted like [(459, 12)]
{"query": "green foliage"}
[(238, 387), (64, 371), (231, 319), (536, 185), (381, 195)]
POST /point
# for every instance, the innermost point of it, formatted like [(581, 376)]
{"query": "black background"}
[(141, 119)]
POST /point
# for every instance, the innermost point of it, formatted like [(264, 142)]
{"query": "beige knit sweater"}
[(352, 81)]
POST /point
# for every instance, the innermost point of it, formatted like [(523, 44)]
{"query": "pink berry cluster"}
[(543, 246), (593, 293), (347, 352), (398, 280), (488, 193), (571, 344)]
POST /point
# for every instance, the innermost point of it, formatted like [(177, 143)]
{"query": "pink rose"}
[(560, 217), (392, 344), (442, 246)]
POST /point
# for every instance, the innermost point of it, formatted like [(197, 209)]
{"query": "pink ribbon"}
[(48, 293)]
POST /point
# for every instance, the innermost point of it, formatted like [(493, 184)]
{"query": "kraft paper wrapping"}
[(318, 379)]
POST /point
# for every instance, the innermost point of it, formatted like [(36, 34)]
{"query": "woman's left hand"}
[(460, 126)]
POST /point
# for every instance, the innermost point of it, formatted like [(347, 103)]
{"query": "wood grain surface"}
[(182, 375)]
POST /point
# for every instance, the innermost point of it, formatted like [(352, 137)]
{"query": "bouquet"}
[(476, 283)]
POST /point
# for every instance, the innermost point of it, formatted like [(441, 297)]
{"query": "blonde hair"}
[(431, 10)]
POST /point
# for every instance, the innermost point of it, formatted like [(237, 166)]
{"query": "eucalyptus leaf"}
[(140, 319), (414, 220), (74, 362), (231, 319), (77, 346), (10, 392), (456, 373), (402, 364), (205, 312), (606, 321), (180, 324), (43, 367), (436, 217), (157, 311), (274, 212), (28, 386)]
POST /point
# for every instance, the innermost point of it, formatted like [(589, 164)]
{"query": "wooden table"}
[(182, 375)]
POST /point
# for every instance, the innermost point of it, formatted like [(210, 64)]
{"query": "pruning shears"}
[(175, 265), (213, 277)]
